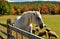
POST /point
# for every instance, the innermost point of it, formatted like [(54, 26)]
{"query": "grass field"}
[(52, 21)]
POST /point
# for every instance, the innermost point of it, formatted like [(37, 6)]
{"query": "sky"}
[(29, 0)]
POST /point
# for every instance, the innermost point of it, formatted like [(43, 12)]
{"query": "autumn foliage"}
[(43, 8)]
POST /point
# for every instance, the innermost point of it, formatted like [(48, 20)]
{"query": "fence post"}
[(8, 28)]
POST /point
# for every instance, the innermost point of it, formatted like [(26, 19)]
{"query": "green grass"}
[(52, 21)]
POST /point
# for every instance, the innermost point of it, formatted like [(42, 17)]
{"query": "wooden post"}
[(8, 28)]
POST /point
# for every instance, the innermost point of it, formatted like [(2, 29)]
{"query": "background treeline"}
[(20, 7)]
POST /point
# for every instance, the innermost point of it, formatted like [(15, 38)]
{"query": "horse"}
[(25, 21)]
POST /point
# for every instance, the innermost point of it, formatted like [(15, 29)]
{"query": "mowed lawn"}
[(51, 21)]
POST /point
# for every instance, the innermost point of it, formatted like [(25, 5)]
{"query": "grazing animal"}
[(42, 33), (51, 33), (33, 31), (27, 18), (37, 28)]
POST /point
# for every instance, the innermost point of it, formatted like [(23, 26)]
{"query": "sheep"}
[(41, 33), (48, 33), (51, 33), (33, 31), (12, 24), (37, 28)]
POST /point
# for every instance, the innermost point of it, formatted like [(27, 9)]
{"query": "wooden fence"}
[(20, 31)]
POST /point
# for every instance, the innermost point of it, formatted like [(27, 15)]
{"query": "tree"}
[(6, 6), (15, 8), (2, 9)]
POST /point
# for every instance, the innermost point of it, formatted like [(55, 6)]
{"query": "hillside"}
[(36, 3), (20, 7)]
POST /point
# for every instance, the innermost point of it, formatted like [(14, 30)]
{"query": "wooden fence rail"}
[(12, 37), (20, 31)]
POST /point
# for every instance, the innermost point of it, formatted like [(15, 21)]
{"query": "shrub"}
[(2, 9)]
